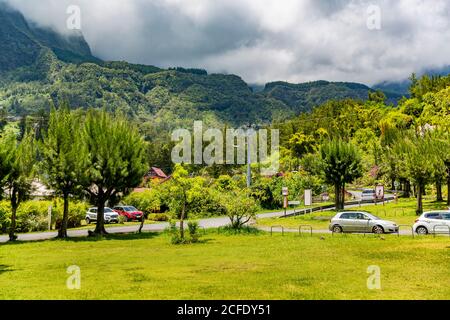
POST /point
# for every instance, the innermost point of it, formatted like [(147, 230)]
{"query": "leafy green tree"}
[(417, 151), (179, 202), (60, 157), (240, 208), (18, 168), (302, 144), (114, 159), (341, 164), (442, 145)]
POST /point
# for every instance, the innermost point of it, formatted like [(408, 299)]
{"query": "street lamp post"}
[(249, 164)]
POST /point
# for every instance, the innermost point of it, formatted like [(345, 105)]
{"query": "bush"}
[(158, 217), (229, 229), (33, 216), (193, 228), (175, 237), (77, 213), (5, 213), (121, 219), (241, 208), (148, 201)]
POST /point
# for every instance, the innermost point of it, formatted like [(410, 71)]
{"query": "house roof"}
[(157, 172)]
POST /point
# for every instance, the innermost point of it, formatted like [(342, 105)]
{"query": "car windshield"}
[(130, 209), (108, 210), (371, 216)]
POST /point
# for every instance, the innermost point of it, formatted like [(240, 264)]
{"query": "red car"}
[(129, 213)]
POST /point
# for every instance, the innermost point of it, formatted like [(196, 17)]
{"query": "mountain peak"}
[(21, 42)]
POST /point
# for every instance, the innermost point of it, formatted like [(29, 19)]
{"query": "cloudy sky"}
[(264, 40)]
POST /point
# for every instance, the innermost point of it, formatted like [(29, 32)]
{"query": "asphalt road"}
[(158, 227)]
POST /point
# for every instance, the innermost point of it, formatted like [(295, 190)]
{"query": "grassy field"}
[(228, 267), (402, 212)]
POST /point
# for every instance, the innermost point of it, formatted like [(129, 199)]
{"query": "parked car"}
[(433, 222), (361, 222), (110, 215), (368, 195), (129, 213)]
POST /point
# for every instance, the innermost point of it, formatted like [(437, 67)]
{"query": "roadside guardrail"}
[(442, 226), (405, 226), (305, 226), (273, 227)]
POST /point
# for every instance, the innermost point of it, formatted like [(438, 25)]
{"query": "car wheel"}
[(378, 230), (88, 221), (337, 229), (422, 231)]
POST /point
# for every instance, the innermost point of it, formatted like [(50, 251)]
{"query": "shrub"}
[(193, 228), (158, 217), (5, 212), (193, 231), (241, 209), (229, 229), (121, 219), (175, 237), (148, 201), (77, 213), (33, 216)]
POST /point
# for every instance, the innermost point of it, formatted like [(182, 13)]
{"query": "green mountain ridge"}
[(21, 42), (39, 67)]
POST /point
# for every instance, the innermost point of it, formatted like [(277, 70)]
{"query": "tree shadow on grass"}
[(4, 268), (108, 237), (114, 236)]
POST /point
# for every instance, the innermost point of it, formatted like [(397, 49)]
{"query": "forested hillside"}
[(38, 67)]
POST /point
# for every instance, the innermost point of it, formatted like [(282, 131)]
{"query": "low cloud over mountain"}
[(263, 40)]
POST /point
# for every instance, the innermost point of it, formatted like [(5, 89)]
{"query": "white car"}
[(110, 215), (433, 222), (368, 195)]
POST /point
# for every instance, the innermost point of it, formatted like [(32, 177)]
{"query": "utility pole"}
[(249, 164), (249, 156)]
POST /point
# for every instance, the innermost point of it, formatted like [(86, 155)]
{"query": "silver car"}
[(361, 222)]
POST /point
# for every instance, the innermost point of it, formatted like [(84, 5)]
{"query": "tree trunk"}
[(419, 193), (343, 197), (14, 205), (407, 189), (448, 188), (142, 223), (183, 213), (337, 195), (393, 184), (12, 229), (100, 226), (63, 230), (439, 191)]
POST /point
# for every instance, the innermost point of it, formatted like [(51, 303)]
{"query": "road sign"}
[(308, 197), (285, 191), (294, 203), (379, 192)]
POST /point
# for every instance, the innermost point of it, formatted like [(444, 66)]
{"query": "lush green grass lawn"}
[(402, 212), (228, 267)]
